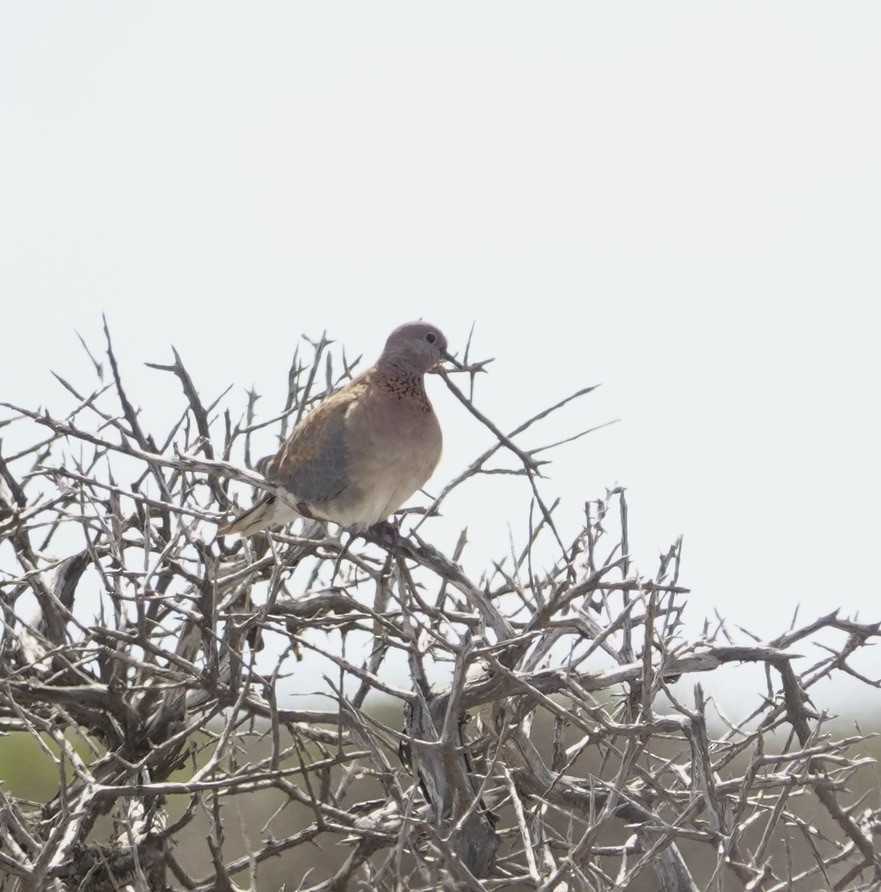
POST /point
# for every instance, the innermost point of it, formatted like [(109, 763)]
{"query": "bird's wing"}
[(313, 463)]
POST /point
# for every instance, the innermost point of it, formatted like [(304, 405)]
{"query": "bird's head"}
[(416, 346)]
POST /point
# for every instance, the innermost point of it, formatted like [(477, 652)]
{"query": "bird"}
[(362, 452)]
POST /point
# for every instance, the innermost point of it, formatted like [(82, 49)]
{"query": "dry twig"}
[(534, 738)]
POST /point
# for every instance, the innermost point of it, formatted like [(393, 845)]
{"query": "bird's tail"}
[(258, 517)]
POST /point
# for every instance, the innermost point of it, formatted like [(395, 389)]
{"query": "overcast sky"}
[(681, 201)]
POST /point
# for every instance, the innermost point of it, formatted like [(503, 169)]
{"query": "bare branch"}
[(523, 727)]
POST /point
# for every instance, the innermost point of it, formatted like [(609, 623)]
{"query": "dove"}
[(361, 453)]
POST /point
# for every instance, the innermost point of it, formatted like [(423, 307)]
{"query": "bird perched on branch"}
[(359, 455)]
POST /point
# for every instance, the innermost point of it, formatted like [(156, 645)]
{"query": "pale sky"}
[(681, 201)]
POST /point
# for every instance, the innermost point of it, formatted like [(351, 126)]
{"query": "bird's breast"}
[(393, 450)]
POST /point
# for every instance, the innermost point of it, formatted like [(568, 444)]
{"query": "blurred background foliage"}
[(27, 770)]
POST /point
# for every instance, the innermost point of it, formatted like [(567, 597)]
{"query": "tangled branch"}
[(533, 726)]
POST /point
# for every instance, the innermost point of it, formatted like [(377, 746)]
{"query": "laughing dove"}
[(359, 455)]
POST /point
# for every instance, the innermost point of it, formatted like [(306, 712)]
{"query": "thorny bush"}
[(536, 728)]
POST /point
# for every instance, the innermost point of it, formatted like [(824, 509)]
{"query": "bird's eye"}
[(431, 337)]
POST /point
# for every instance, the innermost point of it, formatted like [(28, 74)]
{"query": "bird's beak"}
[(451, 359)]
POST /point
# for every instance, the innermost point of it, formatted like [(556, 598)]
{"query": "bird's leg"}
[(385, 532)]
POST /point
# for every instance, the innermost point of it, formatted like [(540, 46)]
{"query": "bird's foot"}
[(385, 532)]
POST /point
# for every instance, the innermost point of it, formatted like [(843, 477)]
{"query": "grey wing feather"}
[(322, 478), (313, 465)]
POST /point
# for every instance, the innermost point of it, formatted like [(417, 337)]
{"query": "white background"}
[(678, 200)]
